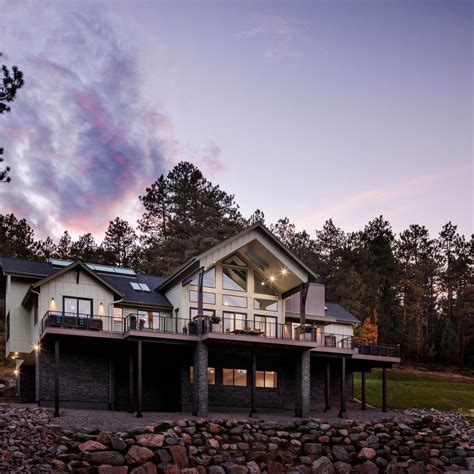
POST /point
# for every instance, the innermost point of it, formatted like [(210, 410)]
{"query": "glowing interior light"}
[(284, 271), (272, 278)]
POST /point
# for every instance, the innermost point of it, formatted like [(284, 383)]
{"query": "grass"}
[(417, 391)]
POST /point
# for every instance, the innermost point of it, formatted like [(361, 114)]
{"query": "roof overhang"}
[(79, 266)]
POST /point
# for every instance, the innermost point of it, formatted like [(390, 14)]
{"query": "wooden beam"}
[(139, 379), (56, 378)]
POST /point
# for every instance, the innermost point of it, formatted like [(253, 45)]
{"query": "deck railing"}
[(231, 326)]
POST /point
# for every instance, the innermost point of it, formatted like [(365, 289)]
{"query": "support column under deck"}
[(362, 388), (56, 378), (303, 384), (139, 379), (342, 411), (130, 383), (327, 387), (200, 386), (253, 377), (384, 389)]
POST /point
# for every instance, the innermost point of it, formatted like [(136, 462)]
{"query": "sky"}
[(306, 109)]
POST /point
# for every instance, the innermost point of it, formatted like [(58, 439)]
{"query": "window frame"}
[(211, 370), (235, 267), (255, 302), (233, 378), (78, 314), (203, 293), (264, 373), (235, 296)]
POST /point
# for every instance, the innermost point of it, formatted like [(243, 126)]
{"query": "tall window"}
[(234, 377), (77, 306), (266, 324), (234, 321), (266, 379), (234, 278)]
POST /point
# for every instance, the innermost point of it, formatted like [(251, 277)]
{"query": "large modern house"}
[(243, 326)]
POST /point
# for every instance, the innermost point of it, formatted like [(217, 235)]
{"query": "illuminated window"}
[(266, 379), (207, 298), (236, 301), (211, 375), (234, 377), (206, 312), (267, 305)]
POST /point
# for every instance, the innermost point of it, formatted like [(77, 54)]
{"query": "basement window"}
[(266, 379), (211, 375), (234, 377)]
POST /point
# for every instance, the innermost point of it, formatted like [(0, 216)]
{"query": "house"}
[(243, 326)]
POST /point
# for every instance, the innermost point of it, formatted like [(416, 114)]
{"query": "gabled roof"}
[(338, 312), (191, 265)]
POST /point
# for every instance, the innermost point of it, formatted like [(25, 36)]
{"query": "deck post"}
[(56, 378), (303, 384), (130, 383), (384, 389), (362, 389), (327, 387), (253, 377), (140, 380), (200, 381), (342, 411)]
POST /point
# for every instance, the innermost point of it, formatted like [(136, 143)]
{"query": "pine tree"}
[(84, 249), (46, 249), (64, 246), (119, 244), (16, 237)]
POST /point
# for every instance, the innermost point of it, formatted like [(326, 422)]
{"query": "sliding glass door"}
[(79, 307)]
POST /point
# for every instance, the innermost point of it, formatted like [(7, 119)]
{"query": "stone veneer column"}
[(200, 386), (302, 384)]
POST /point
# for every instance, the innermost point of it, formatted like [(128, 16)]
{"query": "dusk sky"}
[(311, 110)]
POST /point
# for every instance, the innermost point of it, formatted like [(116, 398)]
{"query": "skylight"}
[(139, 286)]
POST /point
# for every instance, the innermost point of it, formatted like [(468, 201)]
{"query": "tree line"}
[(412, 289)]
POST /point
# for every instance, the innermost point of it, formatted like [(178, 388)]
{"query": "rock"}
[(342, 468), (253, 468), (340, 453), (150, 440), (312, 448), (106, 457), (216, 470), (92, 446), (147, 468), (367, 467), (367, 453), (275, 467), (232, 468), (179, 455), (103, 437), (112, 469), (138, 455), (323, 466), (212, 443), (469, 463), (118, 443)]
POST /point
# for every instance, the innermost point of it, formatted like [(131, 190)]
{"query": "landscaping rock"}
[(138, 455)]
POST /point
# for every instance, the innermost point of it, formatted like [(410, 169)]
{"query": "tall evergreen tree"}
[(84, 249), (64, 246), (16, 237), (119, 244)]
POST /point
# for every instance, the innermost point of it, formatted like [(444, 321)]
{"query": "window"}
[(207, 298), (77, 306), (262, 287), (211, 375), (266, 305), (234, 377), (235, 260), (234, 321), (206, 312), (237, 301), (266, 324), (266, 379), (330, 341), (209, 279), (234, 278)]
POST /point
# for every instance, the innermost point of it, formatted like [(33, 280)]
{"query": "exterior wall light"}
[(52, 304), (16, 372), (36, 347)]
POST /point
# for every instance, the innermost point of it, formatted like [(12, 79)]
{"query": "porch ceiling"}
[(283, 275)]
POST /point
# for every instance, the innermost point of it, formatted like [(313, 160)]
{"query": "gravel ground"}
[(123, 421)]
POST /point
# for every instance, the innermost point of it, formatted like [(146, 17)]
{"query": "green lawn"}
[(415, 391)]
